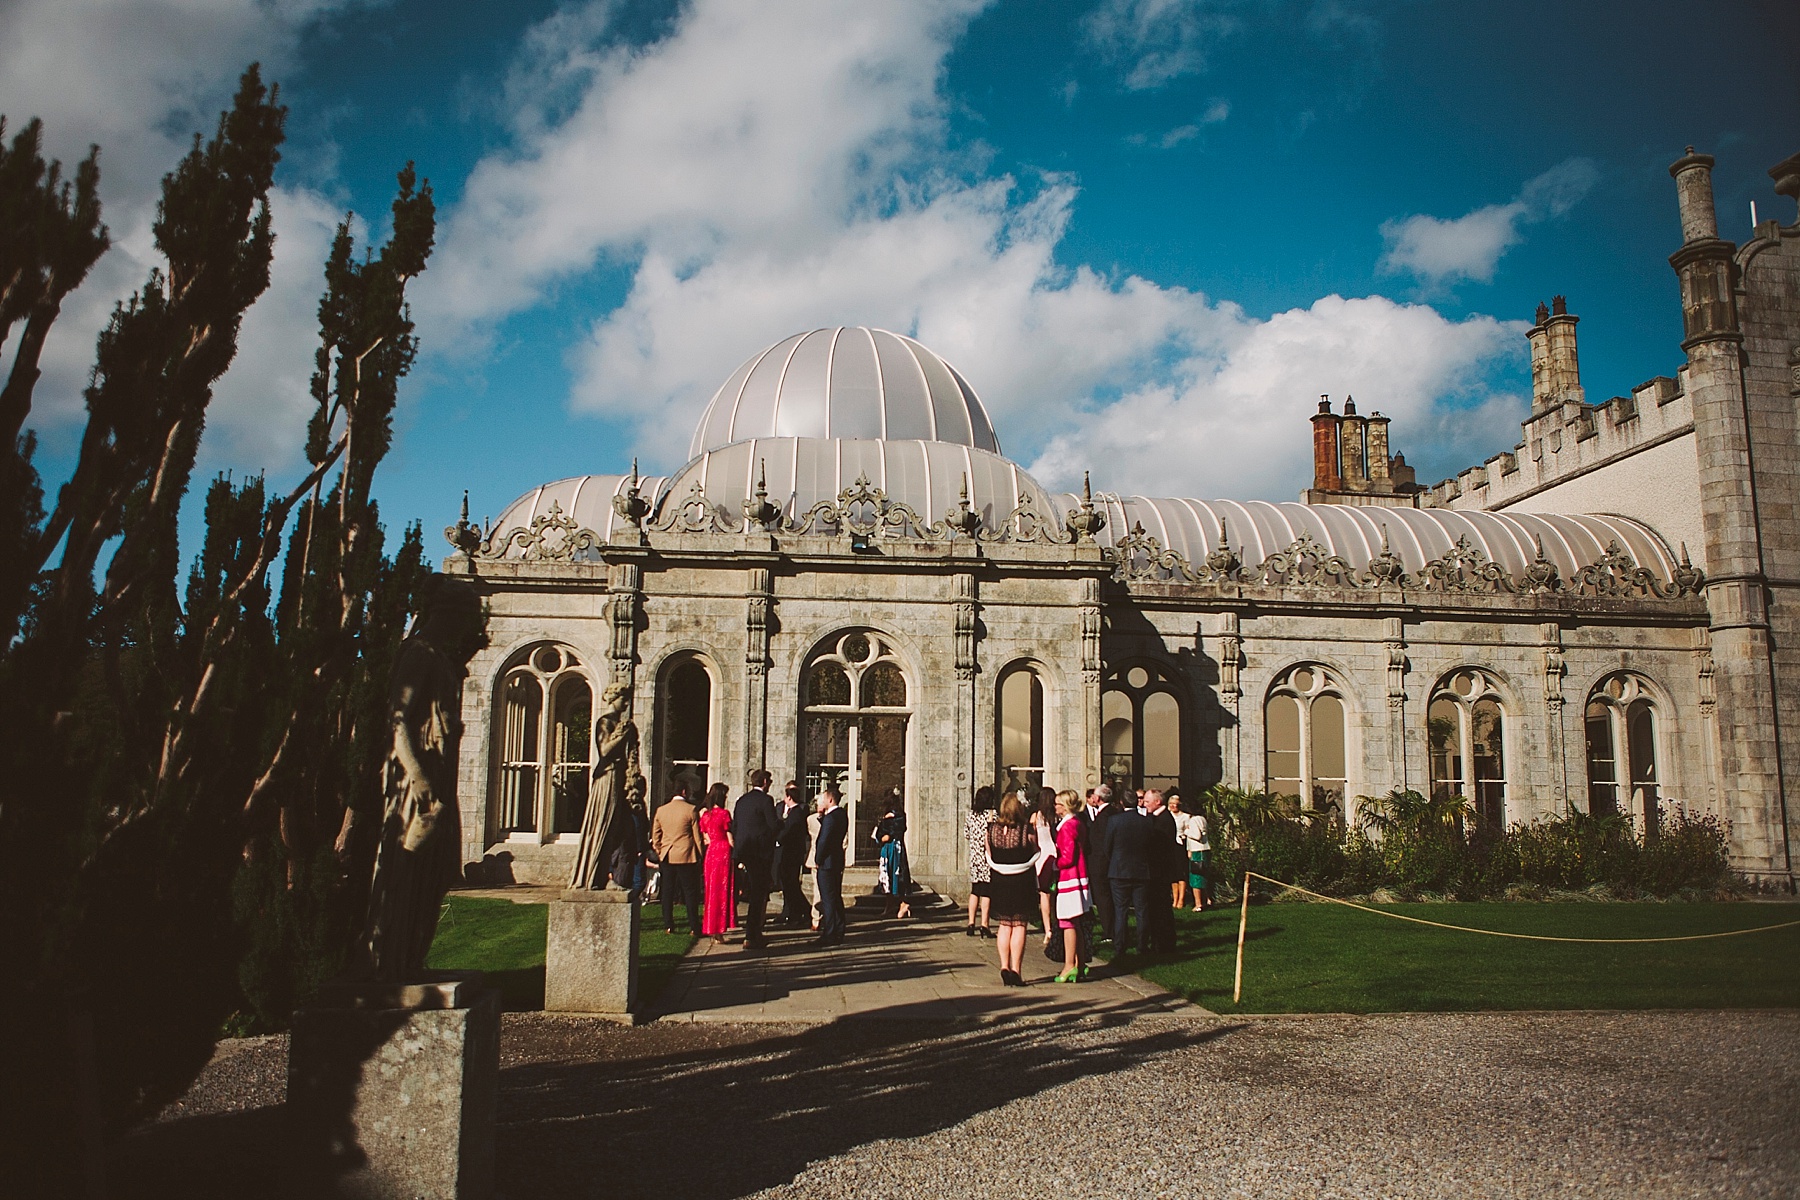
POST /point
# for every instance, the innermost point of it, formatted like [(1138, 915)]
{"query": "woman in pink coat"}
[(1074, 896)]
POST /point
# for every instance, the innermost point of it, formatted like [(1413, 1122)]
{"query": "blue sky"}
[(1150, 232)]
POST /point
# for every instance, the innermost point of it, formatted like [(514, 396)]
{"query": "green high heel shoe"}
[(1067, 977)]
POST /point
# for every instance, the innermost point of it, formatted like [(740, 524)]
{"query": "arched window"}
[(686, 728), (1305, 749), (854, 727), (1622, 750), (1020, 719), (1140, 728), (1466, 732), (542, 786)]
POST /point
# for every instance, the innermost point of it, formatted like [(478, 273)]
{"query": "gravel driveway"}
[(1466, 1105)]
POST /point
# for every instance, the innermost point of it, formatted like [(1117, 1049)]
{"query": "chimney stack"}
[(1694, 196), (1326, 476), (1353, 446), (1378, 451), (1555, 363)]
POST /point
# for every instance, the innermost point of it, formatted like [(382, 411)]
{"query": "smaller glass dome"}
[(847, 382)]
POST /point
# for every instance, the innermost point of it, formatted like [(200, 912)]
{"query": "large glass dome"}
[(847, 382)]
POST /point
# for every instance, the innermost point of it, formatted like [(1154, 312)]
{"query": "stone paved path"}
[(922, 969)]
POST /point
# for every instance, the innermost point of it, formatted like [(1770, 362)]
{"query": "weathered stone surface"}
[(590, 963), (392, 1091)]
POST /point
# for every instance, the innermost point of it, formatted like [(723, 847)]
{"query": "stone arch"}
[(1470, 714), (541, 742), (1310, 735)]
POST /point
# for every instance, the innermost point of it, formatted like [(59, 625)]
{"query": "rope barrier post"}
[(1237, 987)]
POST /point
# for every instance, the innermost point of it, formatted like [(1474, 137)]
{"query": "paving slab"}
[(919, 969)]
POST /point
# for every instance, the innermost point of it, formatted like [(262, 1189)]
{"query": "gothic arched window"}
[(542, 786), (1622, 749), (1140, 728), (1466, 732), (853, 730), (1305, 750)]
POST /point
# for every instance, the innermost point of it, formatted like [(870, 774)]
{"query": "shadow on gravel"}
[(728, 1121)]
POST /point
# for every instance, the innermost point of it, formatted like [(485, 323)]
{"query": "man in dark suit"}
[(790, 859), (754, 828), (1100, 810), (1128, 848), (1170, 858), (828, 866)]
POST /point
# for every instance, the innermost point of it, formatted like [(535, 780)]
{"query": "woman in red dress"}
[(718, 886)]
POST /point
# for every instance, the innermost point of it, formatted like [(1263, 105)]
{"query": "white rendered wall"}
[(1659, 486)]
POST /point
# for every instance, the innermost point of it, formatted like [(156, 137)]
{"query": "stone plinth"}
[(591, 961), (392, 1090)]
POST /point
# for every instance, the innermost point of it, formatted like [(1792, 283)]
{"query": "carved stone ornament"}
[(1386, 569), (552, 536), (1026, 524), (1086, 521), (1540, 574), (1616, 575), (1306, 563), (759, 511), (962, 520), (863, 510), (1464, 568), (695, 513), (465, 537), (630, 505)]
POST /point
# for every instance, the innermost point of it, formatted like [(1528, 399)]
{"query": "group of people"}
[(712, 854), (1071, 861)]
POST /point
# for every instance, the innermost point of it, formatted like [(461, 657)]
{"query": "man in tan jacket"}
[(675, 840)]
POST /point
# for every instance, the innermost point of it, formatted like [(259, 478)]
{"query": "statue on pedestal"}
[(421, 835), (608, 834)]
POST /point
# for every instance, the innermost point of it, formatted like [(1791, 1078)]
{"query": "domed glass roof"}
[(847, 382)]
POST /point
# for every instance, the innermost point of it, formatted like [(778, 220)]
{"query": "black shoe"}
[(985, 931), (970, 932)]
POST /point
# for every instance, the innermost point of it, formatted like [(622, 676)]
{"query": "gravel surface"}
[(1644, 1104)]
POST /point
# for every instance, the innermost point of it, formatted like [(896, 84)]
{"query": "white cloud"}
[(759, 179), (1159, 40), (138, 78), (1439, 250), (1231, 418)]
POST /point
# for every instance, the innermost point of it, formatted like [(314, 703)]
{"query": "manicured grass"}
[(1328, 958), (506, 940)]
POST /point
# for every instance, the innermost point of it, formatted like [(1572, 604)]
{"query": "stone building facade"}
[(849, 582)]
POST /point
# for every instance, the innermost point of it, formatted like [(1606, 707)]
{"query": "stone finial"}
[(630, 505), (1386, 569), (759, 510), (1223, 561), (1541, 574), (462, 535), (1086, 520), (963, 518), (1686, 577)]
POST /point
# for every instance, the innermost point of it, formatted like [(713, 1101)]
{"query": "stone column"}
[(963, 585), (1394, 631), (1231, 694), (759, 608), (625, 585), (1555, 739), (591, 957), (1091, 622)]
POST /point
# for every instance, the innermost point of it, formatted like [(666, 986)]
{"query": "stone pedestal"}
[(591, 961), (392, 1090)]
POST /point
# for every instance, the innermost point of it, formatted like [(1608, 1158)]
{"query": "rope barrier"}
[(1237, 988)]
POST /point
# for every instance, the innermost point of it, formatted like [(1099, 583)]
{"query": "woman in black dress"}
[(1012, 850)]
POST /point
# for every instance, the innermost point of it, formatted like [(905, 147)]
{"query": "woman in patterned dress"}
[(981, 815)]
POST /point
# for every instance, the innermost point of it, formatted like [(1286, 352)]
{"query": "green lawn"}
[(506, 940), (1328, 958)]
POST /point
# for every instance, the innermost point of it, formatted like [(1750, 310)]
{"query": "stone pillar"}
[(392, 1090), (625, 585), (1091, 623), (1394, 631), (591, 956), (1231, 694), (1736, 586), (1556, 741), (963, 585), (759, 608), (1353, 448), (1378, 452)]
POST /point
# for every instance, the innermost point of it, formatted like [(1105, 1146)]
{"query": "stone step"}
[(860, 893)]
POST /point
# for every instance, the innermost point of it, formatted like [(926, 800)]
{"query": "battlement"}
[(1567, 440)]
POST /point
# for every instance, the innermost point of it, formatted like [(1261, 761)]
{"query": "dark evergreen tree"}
[(181, 773)]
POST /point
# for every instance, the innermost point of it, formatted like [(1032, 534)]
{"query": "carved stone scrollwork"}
[(695, 513), (863, 510), (1026, 524), (1140, 555), (1616, 575), (1464, 568), (1306, 563), (552, 536)]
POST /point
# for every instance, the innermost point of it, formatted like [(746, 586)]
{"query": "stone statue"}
[(421, 836), (608, 834)]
